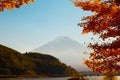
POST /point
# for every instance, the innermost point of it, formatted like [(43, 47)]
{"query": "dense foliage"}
[(105, 22), (10, 4), (15, 63), (49, 65)]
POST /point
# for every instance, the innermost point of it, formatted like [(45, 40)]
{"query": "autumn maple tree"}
[(10, 4), (105, 22)]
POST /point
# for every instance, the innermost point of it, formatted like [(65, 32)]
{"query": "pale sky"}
[(40, 22)]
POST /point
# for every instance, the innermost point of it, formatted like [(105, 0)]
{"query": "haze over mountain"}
[(67, 50)]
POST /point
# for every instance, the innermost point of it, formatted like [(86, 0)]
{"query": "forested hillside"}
[(13, 62)]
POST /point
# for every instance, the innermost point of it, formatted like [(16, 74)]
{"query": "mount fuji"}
[(66, 50)]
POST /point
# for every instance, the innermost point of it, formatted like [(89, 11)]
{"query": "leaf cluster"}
[(10, 4), (104, 22)]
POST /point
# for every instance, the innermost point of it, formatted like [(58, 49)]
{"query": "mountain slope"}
[(49, 65), (67, 50), (13, 62)]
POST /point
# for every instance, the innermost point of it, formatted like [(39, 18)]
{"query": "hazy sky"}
[(38, 23)]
